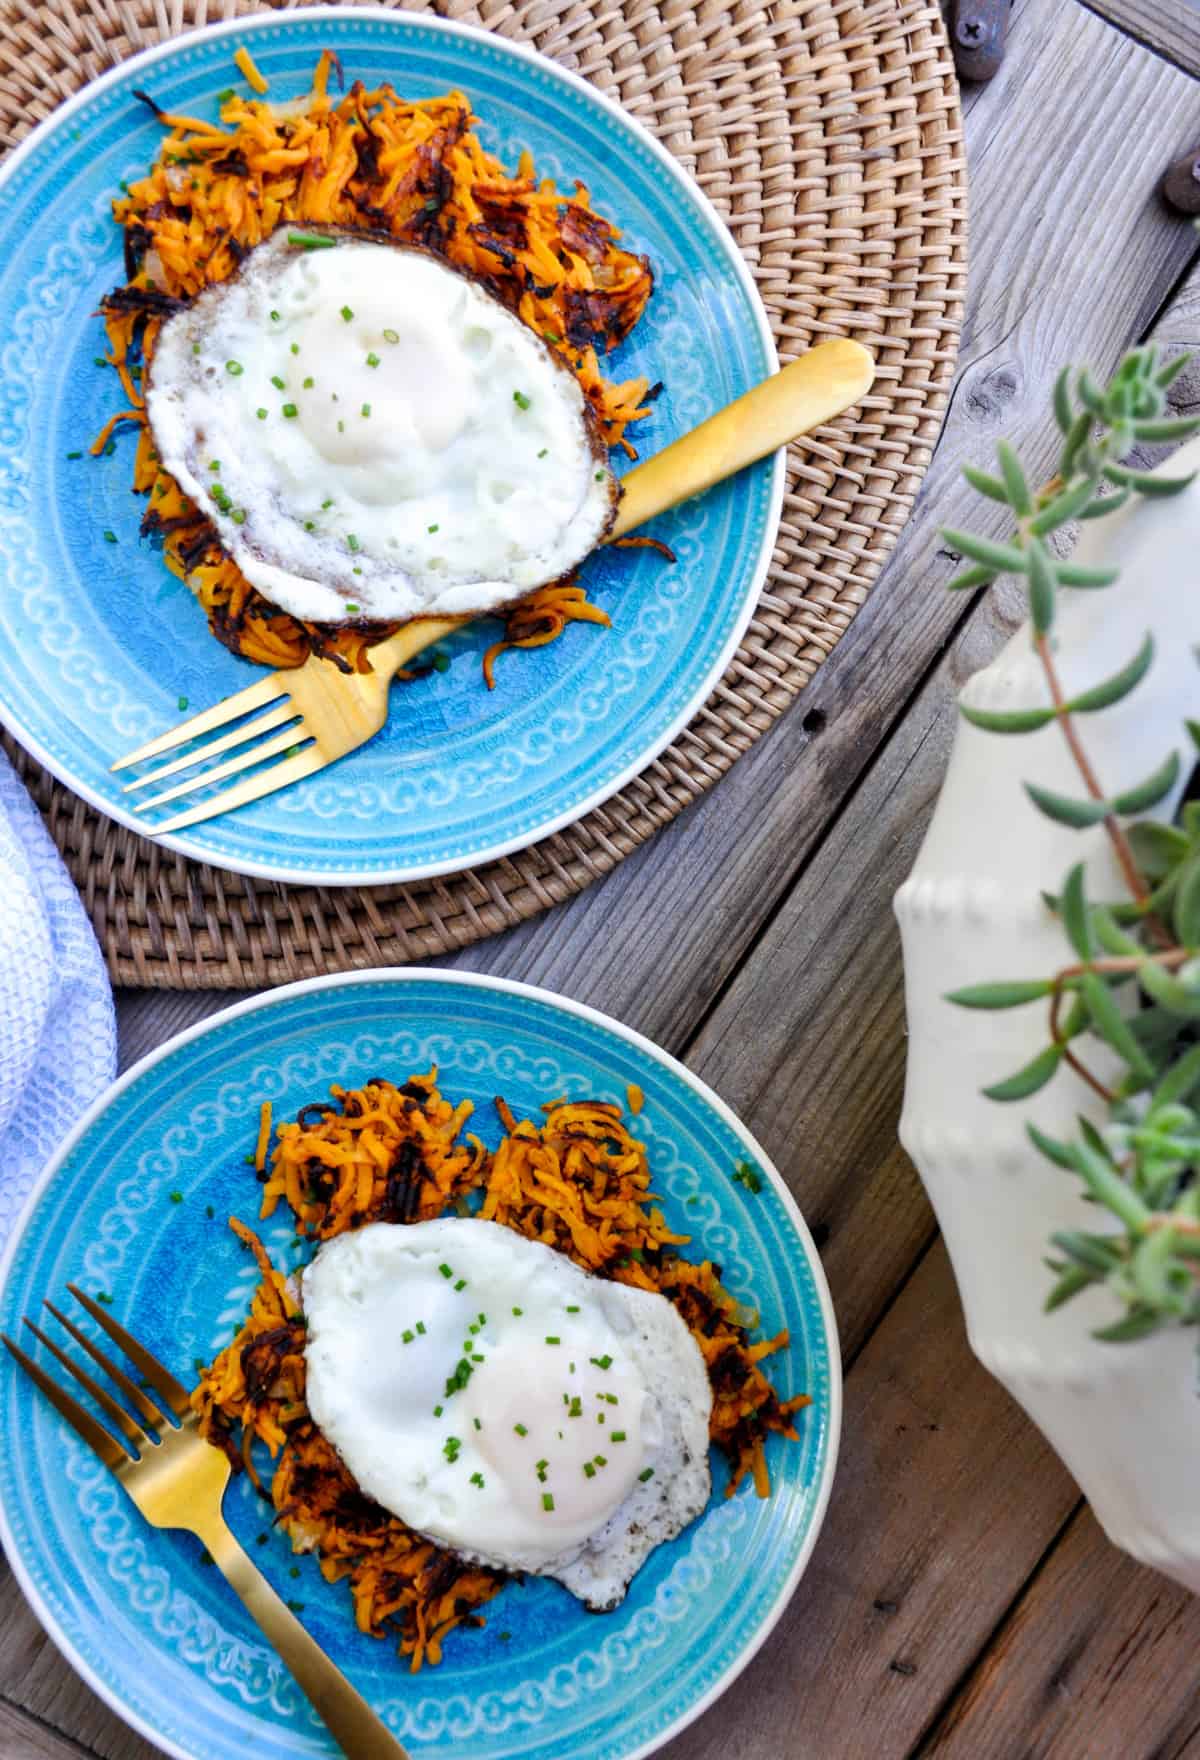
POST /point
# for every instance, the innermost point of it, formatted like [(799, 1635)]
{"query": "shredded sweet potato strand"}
[(578, 1181), (371, 160)]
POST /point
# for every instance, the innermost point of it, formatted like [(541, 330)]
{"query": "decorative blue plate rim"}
[(263, 867), (671, 1066)]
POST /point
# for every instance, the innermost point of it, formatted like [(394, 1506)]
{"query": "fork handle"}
[(357, 1730), (818, 385)]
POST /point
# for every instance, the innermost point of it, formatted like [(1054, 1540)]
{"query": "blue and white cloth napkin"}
[(58, 1044)]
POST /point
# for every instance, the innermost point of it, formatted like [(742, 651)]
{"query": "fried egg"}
[(505, 1403), (374, 435)]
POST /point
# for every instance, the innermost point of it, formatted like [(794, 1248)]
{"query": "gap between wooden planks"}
[(755, 937)]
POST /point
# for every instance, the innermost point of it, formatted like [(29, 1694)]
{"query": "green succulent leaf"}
[(1186, 903), (987, 485), (1147, 794), (999, 557), (1090, 394), (1029, 1079), (1112, 1026), (1104, 695), (1107, 1187), (1157, 848), (1105, 504), (1182, 1079), (1063, 413), (1076, 443), (1015, 484), (1170, 428), (1171, 993), (966, 578), (1041, 587), (1147, 482), (1094, 1251), (1051, 1148), (1067, 505), (1070, 1281), (1009, 995), (1167, 375), (1074, 574), (1138, 1323), (1006, 720), (1111, 936), (1193, 728), (1076, 814), (1073, 908)]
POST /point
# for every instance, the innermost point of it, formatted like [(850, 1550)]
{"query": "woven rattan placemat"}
[(828, 134)]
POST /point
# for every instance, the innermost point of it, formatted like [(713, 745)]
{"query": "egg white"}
[(374, 435), (575, 1441)]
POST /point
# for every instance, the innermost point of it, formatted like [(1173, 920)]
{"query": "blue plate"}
[(99, 642), (161, 1637)]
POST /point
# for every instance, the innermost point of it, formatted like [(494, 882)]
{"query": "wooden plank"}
[(1075, 277), (1098, 1657), (1170, 27), (943, 1497), (22, 1738)]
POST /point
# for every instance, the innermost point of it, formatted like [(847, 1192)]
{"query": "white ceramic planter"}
[(1124, 1418)]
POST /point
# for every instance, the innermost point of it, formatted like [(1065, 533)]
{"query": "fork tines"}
[(137, 1436), (300, 759)]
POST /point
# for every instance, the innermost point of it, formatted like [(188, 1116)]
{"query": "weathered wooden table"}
[(962, 1601)]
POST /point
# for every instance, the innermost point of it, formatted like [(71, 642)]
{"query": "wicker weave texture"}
[(828, 134)]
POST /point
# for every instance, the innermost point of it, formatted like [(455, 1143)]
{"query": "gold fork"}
[(317, 713), (177, 1480)]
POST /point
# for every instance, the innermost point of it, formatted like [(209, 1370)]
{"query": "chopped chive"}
[(433, 528), (616, 1436), (294, 1570), (176, 1197), (226, 96), (99, 360), (261, 1539), (214, 464), (353, 610), (576, 1408), (437, 1411), (520, 399), (450, 1448), (599, 1417), (372, 360), (275, 317), (310, 525), (347, 314), (307, 385), (477, 1359), (391, 336), (547, 1500), (604, 1362), (296, 1606), (239, 516), (327, 503), (550, 1339), (600, 1460), (520, 1430), (544, 453), (235, 369), (420, 1323), (261, 414), (518, 1312), (407, 1336), (74, 455), (208, 1209), (279, 384), (540, 1470), (610, 1398), (477, 1424), (461, 1283), (589, 1469), (441, 661), (110, 449), (110, 537), (341, 427), (646, 1473), (356, 571), (292, 752), (445, 1271), (477, 1479), (366, 409), (295, 348), (573, 1310), (311, 241), (289, 409), (352, 541), (483, 1319)]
